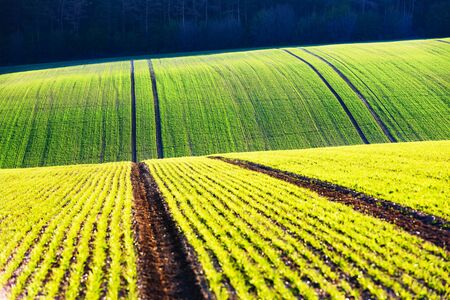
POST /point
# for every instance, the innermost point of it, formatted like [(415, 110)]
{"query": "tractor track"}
[(377, 119), (336, 95), (431, 228), (167, 264), (133, 115), (159, 143)]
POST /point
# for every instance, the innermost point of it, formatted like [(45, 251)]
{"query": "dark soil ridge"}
[(442, 41), (336, 95), (431, 228), (377, 119), (159, 143), (133, 115), (167, 264)]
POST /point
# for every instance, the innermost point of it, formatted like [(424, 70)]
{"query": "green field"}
[(65, 115), (246, 101), (67, 232), (145, 113), (407, 83), (260, 237), (224, 102)]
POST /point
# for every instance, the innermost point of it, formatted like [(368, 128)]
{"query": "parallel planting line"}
[(431, 228), (336, 95), (167, 265), (359, 94), (133, 115), (159, 143)]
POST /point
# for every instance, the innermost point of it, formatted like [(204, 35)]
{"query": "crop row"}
[(73, 239), (259, 237)]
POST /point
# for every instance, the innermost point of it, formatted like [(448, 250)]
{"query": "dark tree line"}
[(43, 30)]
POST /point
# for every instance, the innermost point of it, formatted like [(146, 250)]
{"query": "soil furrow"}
[(442, 41), (380, 123), (431, 228), (159, 143), (336, 95), (133, 115), (167, 265)]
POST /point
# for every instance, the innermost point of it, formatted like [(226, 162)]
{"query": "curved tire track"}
[(336, 95), (380, 123)]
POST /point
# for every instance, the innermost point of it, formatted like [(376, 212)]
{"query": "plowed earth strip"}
[(336, 95), (159, 143), (167, 265), (360, 96), (431, 228)]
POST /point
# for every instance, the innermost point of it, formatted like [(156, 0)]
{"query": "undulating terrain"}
[(309, 172), (226, 102)]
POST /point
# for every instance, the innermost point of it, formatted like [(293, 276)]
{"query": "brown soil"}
[(167, 265), (431, 228)]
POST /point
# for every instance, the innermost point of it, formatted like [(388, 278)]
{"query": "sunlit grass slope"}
[(263, 238), (407, 83), (362, 115), (412, 174), (224, 102), (66, 232), (246, 101), (145, 112), (65, 115)]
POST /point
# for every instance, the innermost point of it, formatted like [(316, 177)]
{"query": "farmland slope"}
[(225, 102), (260, 237), (145, 113), (267, 100), (65, 115), (66, 232), (407, 83), (250, 100), (412, 174)]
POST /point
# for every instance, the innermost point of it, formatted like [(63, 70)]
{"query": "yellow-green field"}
[(269, 239), (412, 174), (66, 232)]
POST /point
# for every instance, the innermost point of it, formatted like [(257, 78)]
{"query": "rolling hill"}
[(225, 102), (128, 214)]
